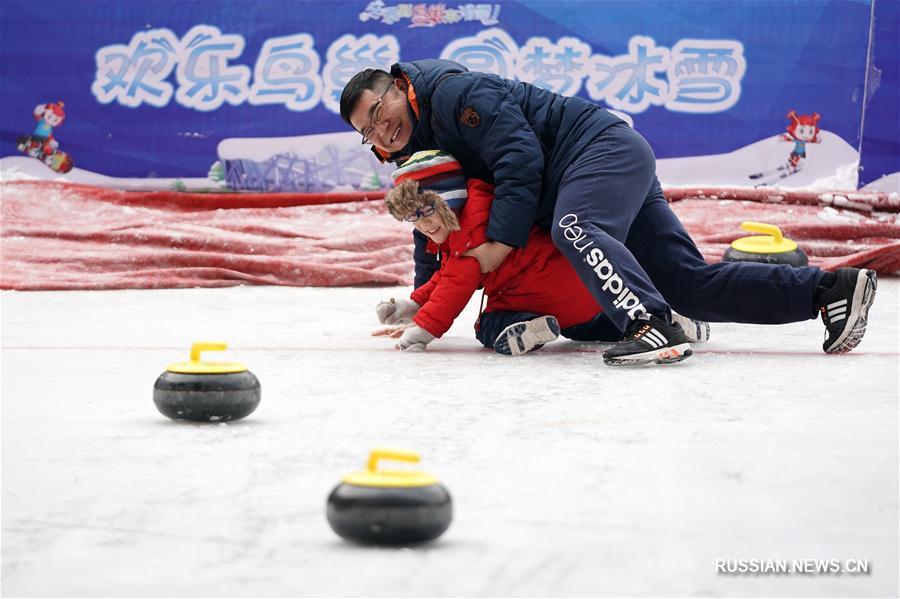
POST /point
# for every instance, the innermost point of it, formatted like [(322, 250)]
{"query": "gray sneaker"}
[(523, 337), (696, 331)]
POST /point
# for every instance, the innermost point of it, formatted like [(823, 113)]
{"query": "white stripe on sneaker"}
[(656, 338), (837, 311)]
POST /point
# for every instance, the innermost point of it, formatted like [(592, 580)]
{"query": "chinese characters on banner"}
[(695, 75), (430, 15)]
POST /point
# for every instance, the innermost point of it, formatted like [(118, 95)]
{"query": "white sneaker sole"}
[(665, 355), (522, 337), (863, 297)]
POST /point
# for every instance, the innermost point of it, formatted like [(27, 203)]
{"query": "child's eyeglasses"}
[(426, 210)]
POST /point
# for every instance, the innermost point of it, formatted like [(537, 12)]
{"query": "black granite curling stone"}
[(384, 507), (769, 248), (206, 391)]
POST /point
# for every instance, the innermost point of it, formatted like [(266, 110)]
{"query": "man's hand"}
[(490, 255), (396, 311), (414, 338)]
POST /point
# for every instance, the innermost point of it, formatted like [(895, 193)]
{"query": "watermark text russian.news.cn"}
[(788, 567)]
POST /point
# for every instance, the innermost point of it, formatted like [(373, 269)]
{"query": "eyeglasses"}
[(375, 112), (424, 211)]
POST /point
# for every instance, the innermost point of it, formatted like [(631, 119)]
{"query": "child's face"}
[(433, 227)]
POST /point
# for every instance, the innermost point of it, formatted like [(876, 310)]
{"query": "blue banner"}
[(151, 88), (880, 148)]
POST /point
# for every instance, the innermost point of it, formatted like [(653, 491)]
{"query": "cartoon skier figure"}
[(802, 130), (41, 143)]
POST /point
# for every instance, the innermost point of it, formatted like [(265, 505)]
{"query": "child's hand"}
[(414, 338), (411, 337), (394, 332), (396, 311)]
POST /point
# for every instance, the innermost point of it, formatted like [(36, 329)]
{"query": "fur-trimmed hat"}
[(429, 176)]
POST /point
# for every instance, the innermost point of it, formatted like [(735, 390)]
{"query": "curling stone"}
[(389, 507), (770, 248), (206, 391)]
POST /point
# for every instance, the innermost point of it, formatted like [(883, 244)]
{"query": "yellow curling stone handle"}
[(373, 477), (197, 366), (770, 242)]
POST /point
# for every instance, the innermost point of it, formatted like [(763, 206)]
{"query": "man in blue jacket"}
[(568, 165)]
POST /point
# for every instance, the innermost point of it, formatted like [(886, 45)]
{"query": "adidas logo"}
[(623, 297), (654, 338), (837, 311)]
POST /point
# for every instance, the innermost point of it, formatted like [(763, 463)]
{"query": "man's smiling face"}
[(382, 116)]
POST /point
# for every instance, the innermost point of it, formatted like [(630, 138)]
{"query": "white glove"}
[(414, 338), (39, 110), (396, 311)]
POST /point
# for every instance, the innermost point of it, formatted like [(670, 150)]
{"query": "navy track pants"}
[(615, 227)]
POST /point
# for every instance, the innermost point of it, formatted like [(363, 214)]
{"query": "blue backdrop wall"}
[(880, 147), (150, 88)]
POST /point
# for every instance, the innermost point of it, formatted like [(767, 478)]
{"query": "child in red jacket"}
[(533, 296)]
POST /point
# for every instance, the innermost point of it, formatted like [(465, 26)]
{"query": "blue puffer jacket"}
[(513, 134)]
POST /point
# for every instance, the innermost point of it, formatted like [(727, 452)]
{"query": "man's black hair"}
[(370, 79)]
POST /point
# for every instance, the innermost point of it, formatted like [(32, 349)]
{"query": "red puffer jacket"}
[(536, 278)]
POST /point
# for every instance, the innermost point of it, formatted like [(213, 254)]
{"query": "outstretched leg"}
[(747, 292)]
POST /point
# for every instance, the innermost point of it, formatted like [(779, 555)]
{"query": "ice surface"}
[(568, 477)]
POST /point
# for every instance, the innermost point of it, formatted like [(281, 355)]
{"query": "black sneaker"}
[(845, 308), (646, 341), (523, 337)]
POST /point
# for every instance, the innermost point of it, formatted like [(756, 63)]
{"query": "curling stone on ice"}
[(206, 391), (389, 507), (770, 248)]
